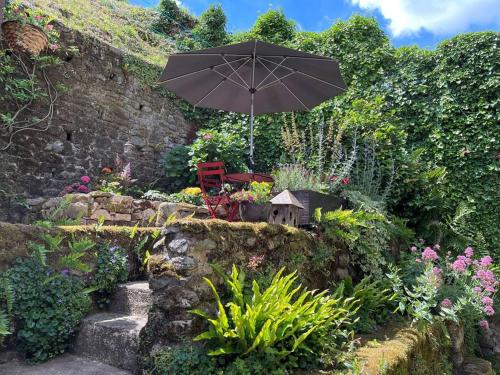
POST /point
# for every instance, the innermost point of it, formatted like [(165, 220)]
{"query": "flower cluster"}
[(78, 187), (16, 11), (191, 191), (344, 181), (259, 193)]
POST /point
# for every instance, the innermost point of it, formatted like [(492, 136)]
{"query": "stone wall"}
[(102, 108), (185, 252)]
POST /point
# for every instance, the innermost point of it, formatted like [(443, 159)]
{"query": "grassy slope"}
[(115, 22)]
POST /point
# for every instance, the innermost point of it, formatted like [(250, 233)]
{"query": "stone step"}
[(110, 338), (133, 298)]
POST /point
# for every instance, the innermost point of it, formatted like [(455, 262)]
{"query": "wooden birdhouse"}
[(285, 209)]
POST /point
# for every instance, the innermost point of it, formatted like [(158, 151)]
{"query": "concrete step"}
[(110, 338), (133, 298), (66, 364)]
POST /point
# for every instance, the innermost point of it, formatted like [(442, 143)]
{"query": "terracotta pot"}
[(24, 38), (254, 212)]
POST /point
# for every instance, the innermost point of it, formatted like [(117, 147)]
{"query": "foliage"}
[(118, 180), (296, 177), (283, 320), (273, 27), (48, 307), (184, 360), (111, 269), (187, 195), (259, 193), (212, 145), (6, 304), (172, 18), (211, 28), (176, 168), (367, 235), (374, 299)]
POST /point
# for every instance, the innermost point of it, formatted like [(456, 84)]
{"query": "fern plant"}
[(282, 319), (6, 302), (77, 249)]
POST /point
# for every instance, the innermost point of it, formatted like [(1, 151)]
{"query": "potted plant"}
[(254, 202), (310, 190), (25, 30)]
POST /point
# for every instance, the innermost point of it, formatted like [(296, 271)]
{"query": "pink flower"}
[(487, 301), (469, 252), (413, 249), (207, 136), (68, 189), (418, 260), (345, 181), (489, 289), (466, 260), (429, 254), (83, 189), (478, 289), (484, 324), (486, 261), (39, 18), (421, 240), (250, 198), (85, 180), (446, 303), (488, 310), (437, 247), (49, 27), (437, 271), (333, 178), (53, 47), (459, 266)]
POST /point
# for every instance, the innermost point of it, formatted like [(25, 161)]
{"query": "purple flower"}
[(83, 189), (429, 254), (488, 310), (65, 272), (484, 324), (85, 180), (478, 289), (437, 271), (486, 261), (446, 303), (487, 301), (459, 266), (413, 249), (469, 252)]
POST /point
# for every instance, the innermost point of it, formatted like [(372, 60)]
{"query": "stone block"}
[(120, 204), (121, 217), (79, 197), (100, 194), (101, 213), (179, 246), (76, 210)]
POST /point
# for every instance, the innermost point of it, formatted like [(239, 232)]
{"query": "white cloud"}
[(442, 17)]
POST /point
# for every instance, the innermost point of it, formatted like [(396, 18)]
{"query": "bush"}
[(48, 307), (172, 18), (211, 145), (175, 165), (111, 269), (273, 27), (211, 28), (184, 360), (283, 321)]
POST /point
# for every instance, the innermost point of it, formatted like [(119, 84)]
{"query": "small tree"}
[(211, 28), (274, 27)]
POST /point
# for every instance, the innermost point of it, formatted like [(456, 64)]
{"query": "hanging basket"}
[(24, 38)]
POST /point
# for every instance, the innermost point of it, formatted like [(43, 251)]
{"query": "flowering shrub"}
[(78, 187), (119, 183), (459, 289), (259, 193)]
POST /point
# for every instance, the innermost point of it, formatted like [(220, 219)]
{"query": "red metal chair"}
[(211, 177)]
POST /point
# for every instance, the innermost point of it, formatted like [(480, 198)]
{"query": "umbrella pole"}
[(252, 164)]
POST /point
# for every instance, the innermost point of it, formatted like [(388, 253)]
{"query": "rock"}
[(120, 204), (100, 194), (51, 203), (32, 202), (179, 210), (97, 214), (477, 366), (122, 217), (148, 215), (343, 260), (183, 264), (251, 241), (76, 210), (178, 328), (79, 197), (457, 344), (179, 246), (342, 273)]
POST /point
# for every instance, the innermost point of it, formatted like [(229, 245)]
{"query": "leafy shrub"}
[(296, 177), (211, 28), (374, 301), (172, 18), (283, 320), (191, 195), (212, 145), (175, 165), (111, 269), (184, 360), (6, 303), (274, 27), (47, 309)]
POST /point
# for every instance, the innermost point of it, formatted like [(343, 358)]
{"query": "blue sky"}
[(421, 22)]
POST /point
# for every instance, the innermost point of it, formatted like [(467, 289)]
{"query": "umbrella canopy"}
[(254, 78)]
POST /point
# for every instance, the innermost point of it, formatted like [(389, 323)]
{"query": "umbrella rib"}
[(199, 71), (230, 79), (276, 67), (286, 87), (306, 74), (273, 83), (234, 71), (220, 83)]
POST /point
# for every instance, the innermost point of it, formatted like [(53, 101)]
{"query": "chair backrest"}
[(211, 175)]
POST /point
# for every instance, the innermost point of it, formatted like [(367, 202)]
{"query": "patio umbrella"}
[(254, 78)]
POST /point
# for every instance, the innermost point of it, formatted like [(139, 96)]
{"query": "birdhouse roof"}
[(286, 198)]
